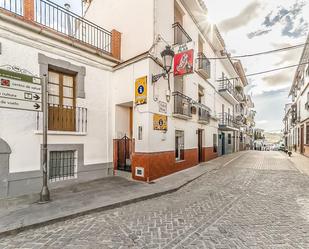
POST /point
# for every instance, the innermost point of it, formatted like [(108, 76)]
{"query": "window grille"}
[(62, 165)]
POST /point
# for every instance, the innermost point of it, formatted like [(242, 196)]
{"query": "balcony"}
[(182, 106), (227, 90), (228, 123), (180, 35), (55, 18), (203, 114), (203, 65), (65, 119)]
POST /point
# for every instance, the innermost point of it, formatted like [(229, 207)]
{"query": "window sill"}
[(61, 133), (179, 161)]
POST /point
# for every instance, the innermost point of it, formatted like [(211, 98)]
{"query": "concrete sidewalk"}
[(301, 162), (21, 213)]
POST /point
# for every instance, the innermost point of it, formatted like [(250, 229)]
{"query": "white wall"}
[(18, 128), (134, 19)]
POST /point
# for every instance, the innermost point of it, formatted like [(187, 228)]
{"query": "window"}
[(241, 137), (215, 143), (200, 94), (307, 133), (61, 101), (229, 139), (179, 146), (178, 84), (62, 165)]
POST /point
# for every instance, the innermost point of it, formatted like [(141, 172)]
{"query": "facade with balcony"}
[(192, 100), (296, 119), (94, 74), (76, 58)]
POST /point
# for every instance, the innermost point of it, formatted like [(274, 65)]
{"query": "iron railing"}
[(182, 104), (68, 23), (14, 6), (180, 35), (62, 165), (227, 85), (203, 114), (65, 118), (226, 119), (203, 64)]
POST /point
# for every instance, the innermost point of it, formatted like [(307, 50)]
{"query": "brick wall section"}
[(161, 164), (306, 153), (116, 44), (29, 10), (209, 154)]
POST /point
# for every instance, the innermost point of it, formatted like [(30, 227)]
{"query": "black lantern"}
[(167, 56)]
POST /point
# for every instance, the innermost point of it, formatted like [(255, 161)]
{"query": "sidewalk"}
[(300, 162), (21, 213)]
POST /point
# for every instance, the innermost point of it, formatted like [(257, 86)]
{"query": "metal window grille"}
[(62, 165)]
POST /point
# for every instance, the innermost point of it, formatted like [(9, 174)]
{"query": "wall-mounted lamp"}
[(167, 55)]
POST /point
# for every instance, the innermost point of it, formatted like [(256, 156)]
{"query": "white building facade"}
[(296, 120), (107, 111)]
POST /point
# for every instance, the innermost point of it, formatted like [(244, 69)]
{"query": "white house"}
[(111, 107)]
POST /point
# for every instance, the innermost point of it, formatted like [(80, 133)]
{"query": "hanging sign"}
[(141, 91), (20, 91), (183, 62), (159, 122)]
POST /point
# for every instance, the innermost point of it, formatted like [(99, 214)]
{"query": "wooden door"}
[(61, 102), (302, 139), (200, 145)]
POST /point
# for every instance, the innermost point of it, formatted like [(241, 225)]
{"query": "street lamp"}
[(167, 55)]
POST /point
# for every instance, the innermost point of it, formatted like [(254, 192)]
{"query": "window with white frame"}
[(179, 145)]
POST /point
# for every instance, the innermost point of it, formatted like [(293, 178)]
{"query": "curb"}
[(100, 209)]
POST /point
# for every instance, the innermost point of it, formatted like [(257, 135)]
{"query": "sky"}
[(251, 26)]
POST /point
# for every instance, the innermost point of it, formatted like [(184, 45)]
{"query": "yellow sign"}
[(159, 122), (141, 91)]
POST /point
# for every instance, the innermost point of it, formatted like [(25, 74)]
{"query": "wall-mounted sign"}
[(20, 91), (162, 107), (183, 62), (141, 91), (159, 122)]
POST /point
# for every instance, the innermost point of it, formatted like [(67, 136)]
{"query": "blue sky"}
[(250, 26)]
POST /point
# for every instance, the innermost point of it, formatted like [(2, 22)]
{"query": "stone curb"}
[(103, 208)]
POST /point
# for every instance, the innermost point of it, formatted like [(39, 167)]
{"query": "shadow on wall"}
[(5, 152)]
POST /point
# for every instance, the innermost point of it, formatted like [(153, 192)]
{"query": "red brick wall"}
[(29, 9), (208, 154), (161, 164), (306, 153), (116, 44)]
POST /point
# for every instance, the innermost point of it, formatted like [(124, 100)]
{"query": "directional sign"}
[(20, 91)]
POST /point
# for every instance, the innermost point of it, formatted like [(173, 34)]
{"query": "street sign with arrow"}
[(20, 91)]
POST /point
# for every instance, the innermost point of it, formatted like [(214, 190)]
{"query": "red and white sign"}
[(183, 62)]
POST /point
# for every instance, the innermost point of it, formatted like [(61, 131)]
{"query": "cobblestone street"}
[(259, 200)]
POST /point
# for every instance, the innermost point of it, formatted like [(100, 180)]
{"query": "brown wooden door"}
[(302, 138), (200, 145), (61, 101)]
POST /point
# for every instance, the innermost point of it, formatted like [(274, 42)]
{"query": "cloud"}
[(242, 19), (277, 79), (288, 20), (262, 122), (290, 57), (258, 33)]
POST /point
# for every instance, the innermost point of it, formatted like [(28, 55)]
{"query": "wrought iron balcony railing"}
[(68, 23), (180, 35), (203, 114), (226, 119), (182, 105), (227, 85), (59, 19), (203, 65), (65, 118)]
